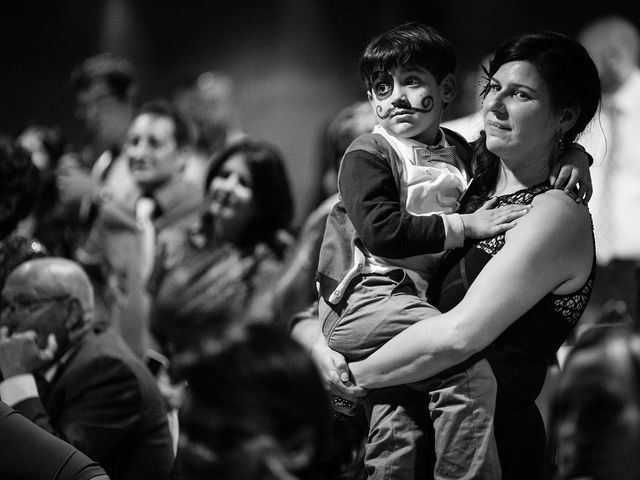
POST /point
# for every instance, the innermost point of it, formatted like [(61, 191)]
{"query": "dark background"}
[(293, 61)]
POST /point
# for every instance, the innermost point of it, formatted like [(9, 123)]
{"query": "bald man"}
[(88, 389)]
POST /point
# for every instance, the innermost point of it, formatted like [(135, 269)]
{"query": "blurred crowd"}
[(150, 278)]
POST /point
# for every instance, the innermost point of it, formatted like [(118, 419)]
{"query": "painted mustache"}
[(427, 105)]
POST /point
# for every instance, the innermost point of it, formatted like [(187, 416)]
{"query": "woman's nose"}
[(495, 103), (139, 150), (230, 181)]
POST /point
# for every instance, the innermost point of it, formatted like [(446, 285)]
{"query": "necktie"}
[(145, 207), (424, 156), (43, 386), (605, 235)]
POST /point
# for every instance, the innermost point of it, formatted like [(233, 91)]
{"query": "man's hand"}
[(488, 221), (20, 354), (571, 172), (334, 372), (73, 182)]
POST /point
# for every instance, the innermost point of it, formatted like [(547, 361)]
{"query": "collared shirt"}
[(18, 388), (431, 190), (615, 205)]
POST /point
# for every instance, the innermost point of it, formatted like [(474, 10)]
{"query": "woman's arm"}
[(331, 365), (550, 250)]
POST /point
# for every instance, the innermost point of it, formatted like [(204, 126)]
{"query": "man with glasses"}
[(88, 389)]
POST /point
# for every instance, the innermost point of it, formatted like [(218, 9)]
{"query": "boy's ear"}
[(370, 96), (449, 86)]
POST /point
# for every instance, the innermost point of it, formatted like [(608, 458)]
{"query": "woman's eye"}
[(519, 94), (413, 81)]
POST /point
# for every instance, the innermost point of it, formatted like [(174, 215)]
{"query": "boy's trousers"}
[(460, 403)]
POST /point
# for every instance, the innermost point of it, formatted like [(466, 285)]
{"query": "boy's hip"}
[(374, 309)]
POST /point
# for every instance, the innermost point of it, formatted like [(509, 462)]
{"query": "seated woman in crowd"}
[(255, 408), (19, 186), (243, 232), (50, 221), (513, 298)]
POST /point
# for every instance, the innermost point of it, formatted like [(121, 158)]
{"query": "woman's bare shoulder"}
[(558, 206)]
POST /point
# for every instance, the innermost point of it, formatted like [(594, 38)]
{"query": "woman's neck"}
[(228, 231), (526, 175)]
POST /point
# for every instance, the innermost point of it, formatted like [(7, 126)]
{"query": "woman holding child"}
[(512, 298)]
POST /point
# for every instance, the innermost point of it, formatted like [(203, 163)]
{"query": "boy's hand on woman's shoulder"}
[(571, 174), (489, 221)]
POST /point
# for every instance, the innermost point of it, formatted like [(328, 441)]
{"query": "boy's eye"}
[(382, 89), (412, 81)]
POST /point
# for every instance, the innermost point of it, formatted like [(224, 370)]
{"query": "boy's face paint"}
[(409, 102)]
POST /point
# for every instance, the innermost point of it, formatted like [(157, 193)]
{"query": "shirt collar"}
[(50, 373), (442, 138)]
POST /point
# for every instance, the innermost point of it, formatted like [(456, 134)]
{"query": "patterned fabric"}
[(521, 354), (425, 156), (570, 306), (15, 249)]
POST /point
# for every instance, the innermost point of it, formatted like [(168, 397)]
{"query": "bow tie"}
[(422, 156)]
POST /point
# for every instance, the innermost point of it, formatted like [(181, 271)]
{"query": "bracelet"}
[(576, 145)]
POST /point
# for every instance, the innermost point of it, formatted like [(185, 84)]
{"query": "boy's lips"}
[(403, 111)]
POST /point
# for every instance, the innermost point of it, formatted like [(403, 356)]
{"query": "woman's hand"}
[(334, 372)]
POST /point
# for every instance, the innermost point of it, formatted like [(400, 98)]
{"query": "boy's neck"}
[(431, 139)]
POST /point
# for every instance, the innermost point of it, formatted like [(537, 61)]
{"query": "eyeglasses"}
[(31, 305)]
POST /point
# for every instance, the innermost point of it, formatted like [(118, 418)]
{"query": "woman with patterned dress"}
[(19, 187), (513, 298)]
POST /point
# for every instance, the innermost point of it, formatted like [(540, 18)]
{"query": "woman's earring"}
[(561, 145)]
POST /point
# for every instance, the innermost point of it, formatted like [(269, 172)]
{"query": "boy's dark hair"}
[(164, 108), (411, 43), (118, 74)]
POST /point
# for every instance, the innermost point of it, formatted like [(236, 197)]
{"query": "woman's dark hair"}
[(252, 385), (52, 138), (19, 185), (411, 43), (572, 80), (271, 188)]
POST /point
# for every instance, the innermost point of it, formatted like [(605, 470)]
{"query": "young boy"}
[(400, 187)]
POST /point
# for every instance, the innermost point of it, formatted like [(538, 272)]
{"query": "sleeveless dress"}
[(520, 356)]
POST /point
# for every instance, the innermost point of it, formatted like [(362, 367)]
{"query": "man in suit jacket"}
[(30, 453), (88, 389), (123, 237)]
